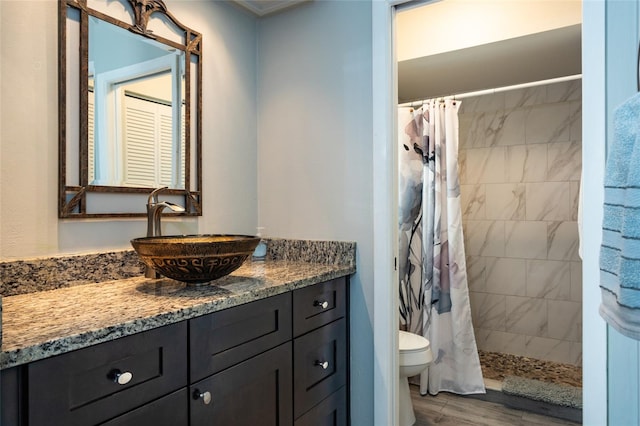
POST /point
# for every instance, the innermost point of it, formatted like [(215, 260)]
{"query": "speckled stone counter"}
[(34, 275), (55, 305), (42, 324)]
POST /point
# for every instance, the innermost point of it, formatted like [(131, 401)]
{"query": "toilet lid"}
[(412, 342)]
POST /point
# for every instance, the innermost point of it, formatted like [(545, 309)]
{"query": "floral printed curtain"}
[(434, 296)]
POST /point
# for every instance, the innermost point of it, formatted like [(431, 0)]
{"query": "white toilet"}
[(415, 357)]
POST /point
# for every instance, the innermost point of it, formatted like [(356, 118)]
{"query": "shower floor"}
[(497, 366)]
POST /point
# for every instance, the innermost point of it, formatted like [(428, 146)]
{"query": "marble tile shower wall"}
[(520, 162)]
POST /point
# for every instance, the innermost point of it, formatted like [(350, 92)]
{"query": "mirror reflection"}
[(130, 110), (135, 110)]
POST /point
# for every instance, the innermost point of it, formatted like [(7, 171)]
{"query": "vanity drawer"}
[(317, 305), (171, 410), (222, 339), (332, 411), (319, 365), (95, 384)]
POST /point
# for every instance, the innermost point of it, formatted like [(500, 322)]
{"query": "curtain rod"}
[(497, 89)]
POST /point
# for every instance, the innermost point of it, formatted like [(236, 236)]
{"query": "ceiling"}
[(535, 57), (265, 7), (539, 56)]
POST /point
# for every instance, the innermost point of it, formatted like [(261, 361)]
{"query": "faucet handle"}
[(153, 197)]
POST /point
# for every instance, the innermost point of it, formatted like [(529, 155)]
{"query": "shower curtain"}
[(434, 297)]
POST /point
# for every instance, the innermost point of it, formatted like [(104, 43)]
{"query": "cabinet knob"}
[(121, 378), (323, 364), (321, 304), (204, 396)]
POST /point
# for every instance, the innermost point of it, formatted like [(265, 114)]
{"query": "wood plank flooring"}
[(446, 409)]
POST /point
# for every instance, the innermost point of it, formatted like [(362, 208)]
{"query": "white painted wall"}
[(29, 136), (449, 25), (28, 140), (315, 149), (1, 163), (229, 113), (594, 335), (385, 201)]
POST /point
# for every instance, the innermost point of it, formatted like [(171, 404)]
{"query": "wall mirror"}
[(130, 97)]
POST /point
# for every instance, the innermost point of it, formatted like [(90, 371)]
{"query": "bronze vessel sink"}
[(195, 259)]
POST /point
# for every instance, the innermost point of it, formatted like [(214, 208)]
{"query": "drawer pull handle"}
[(204, 396), (323, 364), (121, 378), (324, 304)]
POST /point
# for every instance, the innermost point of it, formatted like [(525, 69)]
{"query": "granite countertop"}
[(46, 323)]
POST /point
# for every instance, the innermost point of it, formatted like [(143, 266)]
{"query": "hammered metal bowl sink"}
[(195, 259)]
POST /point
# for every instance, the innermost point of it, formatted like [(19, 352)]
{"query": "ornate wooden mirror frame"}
[(77, 197)]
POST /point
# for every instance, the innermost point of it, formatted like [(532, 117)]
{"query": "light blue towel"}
[(620, 250)]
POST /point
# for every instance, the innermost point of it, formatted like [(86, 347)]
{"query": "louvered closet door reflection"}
[(90, 137), (147, 143), (182, 162), (166, 148)]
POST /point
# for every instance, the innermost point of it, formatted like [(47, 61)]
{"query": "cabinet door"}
[(92, 385), (170, 410), (332, 411), (254, 392), (11, 397)]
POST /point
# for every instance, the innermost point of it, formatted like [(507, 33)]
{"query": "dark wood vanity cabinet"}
[(254, 392), (320, 354), (95, 384), (221, 339), (241, 365), (169, 410), (277, 361), (280, 361), (331, 411)]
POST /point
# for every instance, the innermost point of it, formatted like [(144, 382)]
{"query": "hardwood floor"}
[(448, 409)]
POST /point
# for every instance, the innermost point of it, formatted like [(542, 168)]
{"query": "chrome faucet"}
[(154, 212), (154, 227)]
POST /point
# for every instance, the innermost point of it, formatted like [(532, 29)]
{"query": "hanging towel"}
[(620, 249)]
